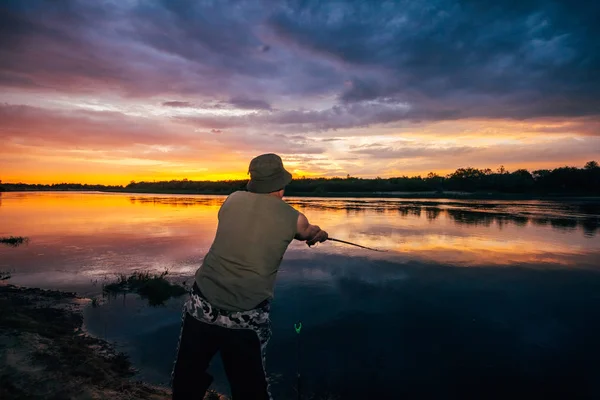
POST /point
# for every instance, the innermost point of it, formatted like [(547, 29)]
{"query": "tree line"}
[(563, 180)]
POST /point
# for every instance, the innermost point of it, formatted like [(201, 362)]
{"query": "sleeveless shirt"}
[(254, 230)]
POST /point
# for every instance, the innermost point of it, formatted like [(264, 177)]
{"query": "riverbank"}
[(46, 354)]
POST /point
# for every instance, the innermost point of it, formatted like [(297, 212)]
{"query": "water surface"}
[(491, 299)]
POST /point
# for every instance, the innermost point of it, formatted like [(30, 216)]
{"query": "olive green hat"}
[(267, 174)]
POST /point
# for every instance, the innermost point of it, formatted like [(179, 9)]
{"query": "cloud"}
[(294, 121), (413, 157), (114, 131), (249, 104), (380, 151), (152, 48), (71, 128), (178, 104), (309, 78), (331, 140), (239, 103), (448, 60), (458, 59)]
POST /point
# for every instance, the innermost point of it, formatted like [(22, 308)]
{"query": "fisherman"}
[(229, 304)]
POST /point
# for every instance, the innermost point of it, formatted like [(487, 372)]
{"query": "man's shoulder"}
[(290, 208), (268, 201), (238, 194)]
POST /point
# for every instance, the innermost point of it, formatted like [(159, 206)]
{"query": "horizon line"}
[(499, 170)]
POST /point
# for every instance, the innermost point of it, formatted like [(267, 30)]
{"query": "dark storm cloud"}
[(197, 49), (514, 59), (382, 61)]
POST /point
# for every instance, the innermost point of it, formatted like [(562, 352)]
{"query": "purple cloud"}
[(313, 65)]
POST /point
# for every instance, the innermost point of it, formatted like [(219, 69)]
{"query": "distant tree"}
[(519, 181), (523, 173), (434, 182), (467, 173), (589, 165), (564, 180), (540, 174), (470, 179)]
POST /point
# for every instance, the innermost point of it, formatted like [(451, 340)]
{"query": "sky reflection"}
[(467, 292), (78, 238)]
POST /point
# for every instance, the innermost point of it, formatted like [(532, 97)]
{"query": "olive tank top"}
[(254, 230)]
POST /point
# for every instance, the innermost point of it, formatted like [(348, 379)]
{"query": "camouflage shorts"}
[(256, 319)]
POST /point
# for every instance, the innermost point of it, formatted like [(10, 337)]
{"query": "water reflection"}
[(381, 329), (178, 201), (467, 293), (426, 331), (561, 215), (78, 237)]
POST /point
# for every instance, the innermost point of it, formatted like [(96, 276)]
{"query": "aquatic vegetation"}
[(14, 241), (154, 287), (4, 275)]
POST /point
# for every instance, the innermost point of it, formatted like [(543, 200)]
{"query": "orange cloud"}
[(61, 144)]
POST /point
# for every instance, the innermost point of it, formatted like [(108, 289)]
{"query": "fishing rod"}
[(354, 244)]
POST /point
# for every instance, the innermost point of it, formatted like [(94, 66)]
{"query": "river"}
[(483, 299)]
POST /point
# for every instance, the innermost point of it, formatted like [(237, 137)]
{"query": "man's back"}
[(254, 231)]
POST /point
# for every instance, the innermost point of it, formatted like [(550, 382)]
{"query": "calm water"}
[(490, 299)]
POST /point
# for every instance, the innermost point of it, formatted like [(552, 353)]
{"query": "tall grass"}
[(14, 241), (155, 287)]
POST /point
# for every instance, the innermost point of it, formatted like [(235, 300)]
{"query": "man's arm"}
[(311, 233)]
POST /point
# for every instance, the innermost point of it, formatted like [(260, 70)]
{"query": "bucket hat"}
[(267, 174)]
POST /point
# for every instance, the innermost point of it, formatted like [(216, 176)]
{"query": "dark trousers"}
[(241, 354)]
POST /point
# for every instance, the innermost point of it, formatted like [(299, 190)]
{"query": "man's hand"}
[(319, 237), (310, 233)]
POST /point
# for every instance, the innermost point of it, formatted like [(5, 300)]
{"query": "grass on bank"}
[(154, 287), (14, 241)]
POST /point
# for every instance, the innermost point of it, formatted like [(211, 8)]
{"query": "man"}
[(228, 308)]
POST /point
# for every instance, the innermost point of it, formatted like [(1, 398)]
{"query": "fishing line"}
[(298, 328), (298, 325)]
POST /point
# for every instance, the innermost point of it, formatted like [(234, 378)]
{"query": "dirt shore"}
[(45, 354)]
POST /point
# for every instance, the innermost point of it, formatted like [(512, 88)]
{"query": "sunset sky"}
[(114, 91)]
